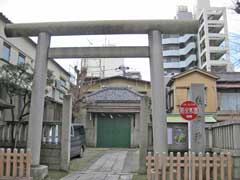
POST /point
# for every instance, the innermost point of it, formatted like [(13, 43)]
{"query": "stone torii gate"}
[(154, 29)]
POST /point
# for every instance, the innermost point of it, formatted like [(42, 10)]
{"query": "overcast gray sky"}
[(77, 10)]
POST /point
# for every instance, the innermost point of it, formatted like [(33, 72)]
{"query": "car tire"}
[(81, 152)]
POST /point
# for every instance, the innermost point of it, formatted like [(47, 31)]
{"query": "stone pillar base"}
[(39, 172)]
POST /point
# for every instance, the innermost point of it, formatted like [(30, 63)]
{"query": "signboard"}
[(188, 110)]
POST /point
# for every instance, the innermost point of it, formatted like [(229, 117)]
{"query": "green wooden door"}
[(114, 130)]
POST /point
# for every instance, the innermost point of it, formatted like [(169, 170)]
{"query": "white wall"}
[(28, 49)]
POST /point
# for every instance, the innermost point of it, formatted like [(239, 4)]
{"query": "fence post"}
[(200, 166), (21, 168), (229, 166), (207, 166), (178, 166), (164, 165), (1, 161), (28, 164), (171, 166), (193, 163), (8, 162), (156, 165), (15, 162), (222, 165), (186, 166), (215, 166), (149, 165)]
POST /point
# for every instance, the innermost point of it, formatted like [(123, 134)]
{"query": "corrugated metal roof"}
[(228, 85), (229, 77)]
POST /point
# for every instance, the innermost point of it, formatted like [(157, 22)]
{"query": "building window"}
[(6, 51), (61, 95), (21, 58), (53, 92), (63, 82)]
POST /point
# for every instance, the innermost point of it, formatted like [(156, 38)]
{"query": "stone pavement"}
[(113, 165)]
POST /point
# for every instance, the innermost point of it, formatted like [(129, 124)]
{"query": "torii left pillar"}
[(37, 105)]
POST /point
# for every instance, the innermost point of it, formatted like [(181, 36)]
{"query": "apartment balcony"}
[(215, 26), (216, 39), (215, 13), (181, 39), (219, 62), (217, 52), (180, 64), (180, 52)]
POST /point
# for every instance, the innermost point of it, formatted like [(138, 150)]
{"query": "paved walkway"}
[(113, 165)]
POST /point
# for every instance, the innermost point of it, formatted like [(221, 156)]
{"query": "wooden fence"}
[(225, 135), (14, 164), (189, 166)]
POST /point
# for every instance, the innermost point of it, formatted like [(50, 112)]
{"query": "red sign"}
[(188, 110)]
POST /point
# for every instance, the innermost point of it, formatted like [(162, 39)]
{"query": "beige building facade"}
[(179, 86)]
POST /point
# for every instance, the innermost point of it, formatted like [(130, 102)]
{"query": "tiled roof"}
[(229, 77), (114, 94), (122, 77)]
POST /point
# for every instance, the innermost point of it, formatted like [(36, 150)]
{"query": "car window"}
[(82, 132)]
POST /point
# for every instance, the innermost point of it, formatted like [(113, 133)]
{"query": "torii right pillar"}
[(159, 123)]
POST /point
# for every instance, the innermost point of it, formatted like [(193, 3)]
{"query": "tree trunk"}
[(13, 118)]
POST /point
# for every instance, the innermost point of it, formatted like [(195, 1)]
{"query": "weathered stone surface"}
[(50, 157), (39, 172), (197, 126)]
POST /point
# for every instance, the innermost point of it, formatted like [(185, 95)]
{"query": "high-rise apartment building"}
[(208, 49), (102, 67), (213, 41), (180, 50)]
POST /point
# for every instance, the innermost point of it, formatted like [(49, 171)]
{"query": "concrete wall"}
[(17, 45), (135, 130), (51, 156), (91, 130)]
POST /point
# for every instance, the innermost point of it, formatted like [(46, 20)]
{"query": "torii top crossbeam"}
[(102, 27), (44, 31)]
